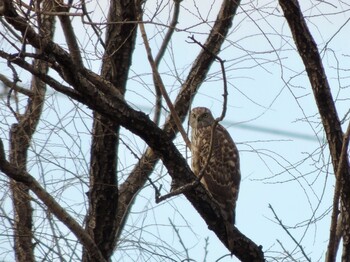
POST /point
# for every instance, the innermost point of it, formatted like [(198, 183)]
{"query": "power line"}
[(273, 131)]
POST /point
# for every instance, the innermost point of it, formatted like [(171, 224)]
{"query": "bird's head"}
[(201, 117)]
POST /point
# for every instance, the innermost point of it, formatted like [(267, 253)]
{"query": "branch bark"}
[(21, 135)]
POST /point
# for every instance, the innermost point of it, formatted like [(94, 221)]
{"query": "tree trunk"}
[(103, 194)]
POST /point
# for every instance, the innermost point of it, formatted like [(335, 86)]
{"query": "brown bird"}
[(222, 175)]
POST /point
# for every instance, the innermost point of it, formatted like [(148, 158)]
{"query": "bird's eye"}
[(205, 115)]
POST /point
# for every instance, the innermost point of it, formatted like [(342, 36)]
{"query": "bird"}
[(222, 175)]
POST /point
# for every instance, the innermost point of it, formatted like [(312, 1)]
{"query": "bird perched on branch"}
[(221, 176)]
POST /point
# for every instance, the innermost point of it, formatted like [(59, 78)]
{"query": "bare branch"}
[(289, 234), (45, 78), (159, 56), (224, 79), (97, 32), (180, 240), (159, 82)]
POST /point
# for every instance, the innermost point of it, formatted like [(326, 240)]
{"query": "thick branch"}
[(68, 31)]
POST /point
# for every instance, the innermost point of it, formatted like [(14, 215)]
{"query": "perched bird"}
[(222, 175)]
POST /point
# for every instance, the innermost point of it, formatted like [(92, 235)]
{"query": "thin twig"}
[(15, 80), (286, 251), (206, 249), (169, 33), (93, 25), (224, 79), (159, 56), (180, 240), (159, 82), (289, 234)]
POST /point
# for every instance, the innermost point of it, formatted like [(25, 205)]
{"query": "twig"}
[(289, 234), (93, 25), (180, 240), (8, 83), (224, 79), (159, 82), (169, 33), (159, 56), (206, 249), (156, 189)]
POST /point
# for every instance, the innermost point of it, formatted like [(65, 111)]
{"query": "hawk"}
[(222, 175)]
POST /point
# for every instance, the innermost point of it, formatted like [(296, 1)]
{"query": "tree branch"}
[(309, 53), (68, 31), (289, 234), (21, 135)]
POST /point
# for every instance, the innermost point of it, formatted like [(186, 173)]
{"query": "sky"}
[(271, 116)]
